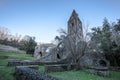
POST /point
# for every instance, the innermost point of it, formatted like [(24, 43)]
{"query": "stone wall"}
[(96, 64), (44, 49), (24, 73), (22, 62), (60, 67), (99, 71), (56, 68), (114, 68), (36, 67), (29, 62), (93, 60)]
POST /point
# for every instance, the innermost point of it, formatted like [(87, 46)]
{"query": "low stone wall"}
[(22, 63), (36, 67), (56, 68), (24, 73), (114, 68), (28, 62), (99, 71), (59, 67)]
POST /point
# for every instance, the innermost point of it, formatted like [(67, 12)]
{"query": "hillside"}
[(5, 48)]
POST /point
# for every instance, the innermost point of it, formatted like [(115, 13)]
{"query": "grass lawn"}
[(83, 75), (16, 55), (6, 72)]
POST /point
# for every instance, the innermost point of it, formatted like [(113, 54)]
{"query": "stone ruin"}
[(59, 58), (24, 73), (43, 50), (95, 63), (59, 53)]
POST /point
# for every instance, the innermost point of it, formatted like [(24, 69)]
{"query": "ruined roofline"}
[(73, 16)]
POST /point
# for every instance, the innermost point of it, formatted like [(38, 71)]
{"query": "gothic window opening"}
[(72, 24), (103, 63), (40, 54), (58, 56)]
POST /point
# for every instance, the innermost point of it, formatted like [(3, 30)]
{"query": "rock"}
[(56, 68), (60, 67), (24, 73), (30, 66)]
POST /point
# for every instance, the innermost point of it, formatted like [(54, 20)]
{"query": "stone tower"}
[(75, 26)]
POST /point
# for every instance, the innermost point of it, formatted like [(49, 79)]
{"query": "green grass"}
[(6, 72), (3, 62), (41, 68), (16, 55), (83, 75)]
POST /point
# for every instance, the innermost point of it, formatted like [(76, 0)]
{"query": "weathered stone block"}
[(22, 63), (24, 73), (115, 68), (30, 66), (55, 68), (100, 71)]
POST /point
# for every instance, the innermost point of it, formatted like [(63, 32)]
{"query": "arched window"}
[(72, 24), (58, 56), (40, 53), (102, 63)]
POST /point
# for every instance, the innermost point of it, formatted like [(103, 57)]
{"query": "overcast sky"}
[(42, 18)]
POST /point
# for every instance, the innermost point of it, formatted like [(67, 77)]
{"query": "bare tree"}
[(73, 40), (75, 43), (4, 33)]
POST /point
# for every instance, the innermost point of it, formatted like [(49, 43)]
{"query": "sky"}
[(43, 18)]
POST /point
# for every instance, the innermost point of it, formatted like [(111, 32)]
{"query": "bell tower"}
[(75, 26)]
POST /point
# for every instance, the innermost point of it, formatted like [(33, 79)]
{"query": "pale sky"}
[(42, 18)]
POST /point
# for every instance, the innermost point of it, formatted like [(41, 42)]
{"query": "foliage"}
[(28, 45), (4, 33), (7, 39), (107, 39)]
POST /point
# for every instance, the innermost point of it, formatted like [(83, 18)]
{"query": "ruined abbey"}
[(74, 30), (72, 48)]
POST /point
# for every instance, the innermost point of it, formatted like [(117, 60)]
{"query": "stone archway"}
[(103, 63), (40, 53)]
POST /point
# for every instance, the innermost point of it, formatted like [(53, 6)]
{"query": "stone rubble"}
[(24, 73)]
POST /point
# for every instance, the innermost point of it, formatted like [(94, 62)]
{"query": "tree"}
[(116, 39), (28, 44), (106, 37), (4, 34), (75, 44)]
